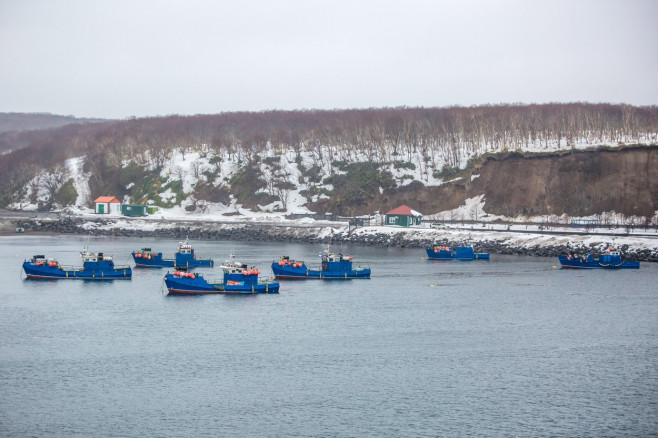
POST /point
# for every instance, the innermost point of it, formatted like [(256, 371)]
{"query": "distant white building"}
[(107, 205)]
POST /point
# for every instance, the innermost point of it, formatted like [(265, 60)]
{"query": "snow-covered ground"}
[(523, 236), (80, 180), (531, 234), (511, 235)]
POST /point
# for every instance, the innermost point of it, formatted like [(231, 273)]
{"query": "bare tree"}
[(197, 169)]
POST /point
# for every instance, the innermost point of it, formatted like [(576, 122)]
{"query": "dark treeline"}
[(18, 122), (379, 133)]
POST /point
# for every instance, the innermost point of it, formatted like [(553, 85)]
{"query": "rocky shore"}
[(334, 234)]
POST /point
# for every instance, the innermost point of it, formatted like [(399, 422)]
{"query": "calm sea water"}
[(510, 347)]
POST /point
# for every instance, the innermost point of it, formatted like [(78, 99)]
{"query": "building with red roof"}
[(403, 216), (107, 204)]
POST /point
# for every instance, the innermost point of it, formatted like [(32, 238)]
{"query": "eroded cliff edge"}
[(576, 183)]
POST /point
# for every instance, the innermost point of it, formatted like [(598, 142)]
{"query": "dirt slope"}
[(577, 183)]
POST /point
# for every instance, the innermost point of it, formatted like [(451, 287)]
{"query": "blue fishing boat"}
[(95, 266), (437, 252), (238, 279), (609, 259), (184, 258), (333, 267)]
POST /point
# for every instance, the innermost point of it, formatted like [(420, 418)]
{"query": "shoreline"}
[(531, 243)]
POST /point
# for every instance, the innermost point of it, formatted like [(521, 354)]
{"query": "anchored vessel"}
[(334, 266), (238, 279), (455, 253), (184, 257), (609, 259), (95, 266)]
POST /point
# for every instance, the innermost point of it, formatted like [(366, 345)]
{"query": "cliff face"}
[(578, 183)]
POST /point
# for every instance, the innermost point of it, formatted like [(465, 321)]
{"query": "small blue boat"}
[(95, 266), (609, 259), (455, 253), (333, 267), (184, 258), (238, 279)]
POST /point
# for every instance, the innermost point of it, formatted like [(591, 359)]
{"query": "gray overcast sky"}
[(121, 58)]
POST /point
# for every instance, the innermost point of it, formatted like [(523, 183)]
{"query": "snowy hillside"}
[(289, 178)]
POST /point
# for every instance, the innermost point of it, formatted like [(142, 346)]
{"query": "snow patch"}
[(168, 195), (80, 180)]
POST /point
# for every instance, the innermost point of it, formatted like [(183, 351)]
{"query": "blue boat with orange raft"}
[(95, 266), (238, 279), (437, 252), (333, 267), (184, 258), (609, 259)]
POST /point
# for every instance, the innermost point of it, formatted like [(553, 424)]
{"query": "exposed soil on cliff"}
[(578, 183)]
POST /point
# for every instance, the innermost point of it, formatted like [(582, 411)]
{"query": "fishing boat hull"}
[(303, 273), (45, 272), (198, 285), (153, 260), (180, 261), (459, 253), (588, 262)]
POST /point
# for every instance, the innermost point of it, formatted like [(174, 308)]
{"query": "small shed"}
[(134, 210), (107, 204), (403, 216)]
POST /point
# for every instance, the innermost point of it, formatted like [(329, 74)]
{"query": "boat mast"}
[(85, 251)]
